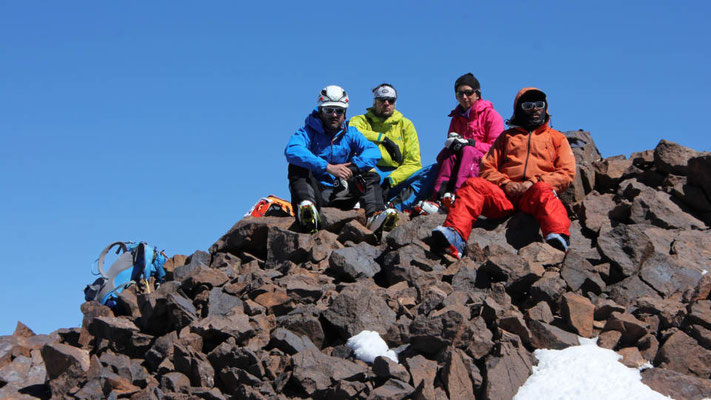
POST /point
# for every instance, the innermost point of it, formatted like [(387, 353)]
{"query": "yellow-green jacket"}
[(401, 131)]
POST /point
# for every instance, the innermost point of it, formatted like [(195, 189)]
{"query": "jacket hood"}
[(478, 106), (524, 91), (518, 99), (396, 117)]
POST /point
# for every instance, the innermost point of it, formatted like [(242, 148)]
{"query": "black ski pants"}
[(304, 186)]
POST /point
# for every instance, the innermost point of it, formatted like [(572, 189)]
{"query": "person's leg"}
[(476, 197), (468, 167), (303, 186), (372, 198), (541, 201), (306, 197), (446, 161), (417, 187)]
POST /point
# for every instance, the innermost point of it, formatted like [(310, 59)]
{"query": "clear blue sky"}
[(165, 121)]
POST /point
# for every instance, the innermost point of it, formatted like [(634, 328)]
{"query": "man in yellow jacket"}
[(404, 181)]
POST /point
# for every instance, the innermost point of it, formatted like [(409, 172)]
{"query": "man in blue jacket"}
[(331, 164)]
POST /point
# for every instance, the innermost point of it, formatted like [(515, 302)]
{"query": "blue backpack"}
[(137, 263)]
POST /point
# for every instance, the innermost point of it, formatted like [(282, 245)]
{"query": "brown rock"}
[(387, 368), (545, 336), (324, 242), (250, 235), (681, 353), (658, 208), (22, 330), (358, 308), (609, 339), (507, 371), (540, 312), (579, 274), (334, 219), (394, 389), (314, 371), (578, 312), (596, 209), (285, 245), (626, 246), (700, 172), (676, 385), (609, 172), (357, 233), (631, 357), (701, 313), (673, 158), (630, 327), (456, 377), (423, 373)]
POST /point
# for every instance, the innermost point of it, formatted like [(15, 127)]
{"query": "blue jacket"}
[(312, 148)]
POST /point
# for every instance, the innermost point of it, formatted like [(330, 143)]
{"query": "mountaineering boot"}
[(383, 221), (447, 240), (308, 216), (426, 207), (448, 201), (560, 241)]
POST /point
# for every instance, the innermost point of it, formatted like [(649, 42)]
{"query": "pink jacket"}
[(483, 124)]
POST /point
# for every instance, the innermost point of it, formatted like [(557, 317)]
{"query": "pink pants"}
[(464, 164)]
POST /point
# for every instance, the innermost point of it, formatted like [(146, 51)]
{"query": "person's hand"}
[(517, 189), (525, 186), (513, 189), (340, 170), (393, 149), (455, 142)]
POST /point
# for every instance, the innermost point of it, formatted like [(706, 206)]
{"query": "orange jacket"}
[(518, 155)]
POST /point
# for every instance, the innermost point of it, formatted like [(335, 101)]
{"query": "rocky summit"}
[(267, 311)]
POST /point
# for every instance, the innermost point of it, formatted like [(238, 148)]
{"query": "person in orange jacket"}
[(524, 169)]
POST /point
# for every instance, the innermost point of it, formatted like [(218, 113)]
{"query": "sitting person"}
[(474, 127), (404, 181), (331, 164), (524, 169)]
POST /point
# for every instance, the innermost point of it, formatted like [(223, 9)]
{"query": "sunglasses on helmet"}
[(530, 105), (331, 110)]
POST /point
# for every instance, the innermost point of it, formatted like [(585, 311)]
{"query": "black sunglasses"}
[(390, 100), (467, 93), (331, 110)]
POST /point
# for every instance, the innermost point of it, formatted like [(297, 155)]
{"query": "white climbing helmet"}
[(333, 96)]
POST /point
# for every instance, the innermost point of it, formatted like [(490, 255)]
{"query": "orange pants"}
[(478, 196)]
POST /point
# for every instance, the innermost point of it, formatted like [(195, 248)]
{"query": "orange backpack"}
[(271, 206)]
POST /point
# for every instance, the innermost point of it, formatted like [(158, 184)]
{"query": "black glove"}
[(355, 170), (386, 189), (393, 149)]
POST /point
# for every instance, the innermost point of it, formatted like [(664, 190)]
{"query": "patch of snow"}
[(584, 372), (368, 345)]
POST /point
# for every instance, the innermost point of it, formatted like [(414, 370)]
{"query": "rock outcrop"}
[(265, 314)]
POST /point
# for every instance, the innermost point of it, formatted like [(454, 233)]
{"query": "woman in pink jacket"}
[(474, 127)]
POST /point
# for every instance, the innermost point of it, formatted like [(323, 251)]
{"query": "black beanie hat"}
[(467, 79)]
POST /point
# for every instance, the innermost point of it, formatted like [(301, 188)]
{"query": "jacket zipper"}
[(528, 153)]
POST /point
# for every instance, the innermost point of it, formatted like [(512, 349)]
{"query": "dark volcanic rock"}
[(355, 262), (358, 308)]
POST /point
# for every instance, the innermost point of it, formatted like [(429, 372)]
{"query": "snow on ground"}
[(584, 372), (368, 345)]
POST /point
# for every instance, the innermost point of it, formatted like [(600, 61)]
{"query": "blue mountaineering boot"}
[(447, 240), (559, 241)]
